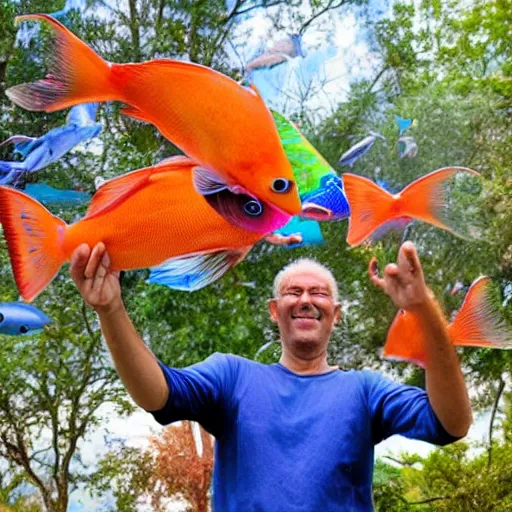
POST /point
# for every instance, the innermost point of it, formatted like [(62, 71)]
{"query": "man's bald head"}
[(305, 264)]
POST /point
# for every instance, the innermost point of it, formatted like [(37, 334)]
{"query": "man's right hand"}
[(97, 284)]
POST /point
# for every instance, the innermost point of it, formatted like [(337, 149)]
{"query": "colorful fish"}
[(358, 150), (424, 199), (141, 224), (477, 324), (309, 231), (17, 318), (320, 189), (403, 124), (407, 147), (283, 50), (224, 127), (42, 151), (49, 195)]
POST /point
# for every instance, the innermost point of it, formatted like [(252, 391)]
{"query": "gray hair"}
[(309, 264)]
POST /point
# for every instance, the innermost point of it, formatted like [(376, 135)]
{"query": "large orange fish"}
[(477, 324), (146, 218), (226, 128), (425, 199)]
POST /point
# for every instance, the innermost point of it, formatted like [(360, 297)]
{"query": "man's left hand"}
[(403, 281)]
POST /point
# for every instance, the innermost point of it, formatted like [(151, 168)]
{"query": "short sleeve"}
[(400, 409), (199, 393)]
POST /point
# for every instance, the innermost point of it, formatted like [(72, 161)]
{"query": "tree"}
[(171, 467)]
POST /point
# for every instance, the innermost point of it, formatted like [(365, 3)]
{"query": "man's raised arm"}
[(134, 362)]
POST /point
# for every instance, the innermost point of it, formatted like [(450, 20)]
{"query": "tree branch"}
[(501, 387), (328, 7)]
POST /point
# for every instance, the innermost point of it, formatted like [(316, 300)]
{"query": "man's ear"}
[(272, 308), (338, 315)]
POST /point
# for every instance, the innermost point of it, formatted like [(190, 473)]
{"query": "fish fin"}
[(21, 143), (115, 191), (426, 199), (370, 207), (196, 271), (207, 182), (78, 74), (83, 115), (405, 341), (137, 114), (34, 239), (478, 322)]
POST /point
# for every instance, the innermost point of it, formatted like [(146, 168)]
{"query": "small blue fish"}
[(403, 124), (358, 150), (42, 151), (17, 318), (308, 229), (328, 202), (49, 195), (407, 147)]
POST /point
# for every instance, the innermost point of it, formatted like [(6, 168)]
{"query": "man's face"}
[(305, 312)]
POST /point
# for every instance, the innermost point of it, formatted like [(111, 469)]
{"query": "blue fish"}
[(40, 152), (49, 195), (403, 124), (17, 318), (328, 202), (358, 150), (308, 229)]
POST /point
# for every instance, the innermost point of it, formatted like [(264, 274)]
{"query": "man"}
[(298, 435)]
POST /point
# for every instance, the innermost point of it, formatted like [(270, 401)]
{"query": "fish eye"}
[(253, 208), (281, 185), (24, 329), (2, 318)]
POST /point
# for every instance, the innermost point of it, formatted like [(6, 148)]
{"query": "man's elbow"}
[(460, 428)]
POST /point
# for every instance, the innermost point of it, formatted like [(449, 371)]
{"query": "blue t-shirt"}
[(288, 442)]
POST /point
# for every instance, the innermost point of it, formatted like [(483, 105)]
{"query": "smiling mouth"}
[(294, 317)]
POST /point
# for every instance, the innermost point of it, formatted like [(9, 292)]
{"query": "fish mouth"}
[(316, 212)]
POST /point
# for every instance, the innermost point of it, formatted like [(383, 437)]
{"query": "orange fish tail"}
[(34, 240), (478, 322), (426, 199), (370, 207), (405, 340), (78, 74)]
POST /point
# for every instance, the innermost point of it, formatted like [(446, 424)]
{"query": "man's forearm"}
[(446, 388), (135, 363)]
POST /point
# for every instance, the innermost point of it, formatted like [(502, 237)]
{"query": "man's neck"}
[(300, 366)]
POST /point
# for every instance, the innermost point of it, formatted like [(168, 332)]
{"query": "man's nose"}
[(304, 298)]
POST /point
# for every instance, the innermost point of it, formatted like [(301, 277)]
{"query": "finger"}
[(373, 273), (94, 260), (410, 260), (101, 272), (78, 263), (412, 256), (278, 239)]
